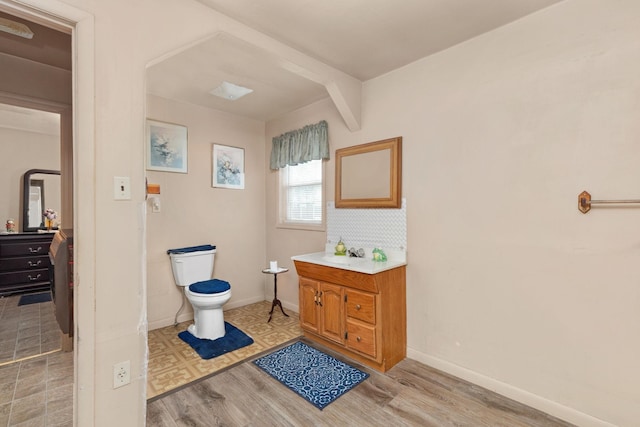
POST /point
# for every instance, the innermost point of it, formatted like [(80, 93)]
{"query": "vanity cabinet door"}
[(331, 312), (309, 308)]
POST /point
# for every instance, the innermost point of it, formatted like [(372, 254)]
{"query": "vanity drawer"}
[(25, 248), (24, 263), (361, 306), (30, 276), (362, 338)]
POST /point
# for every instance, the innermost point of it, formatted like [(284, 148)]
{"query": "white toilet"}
[(192, 268)]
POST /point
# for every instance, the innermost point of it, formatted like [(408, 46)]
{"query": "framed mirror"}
[(40, 191), (370, 175)]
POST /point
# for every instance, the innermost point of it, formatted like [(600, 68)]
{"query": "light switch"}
[(155, 204), (121, 188)]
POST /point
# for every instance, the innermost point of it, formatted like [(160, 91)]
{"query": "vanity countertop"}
[(362, 265)]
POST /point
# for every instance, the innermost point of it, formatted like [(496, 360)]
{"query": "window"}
[(301, 195)]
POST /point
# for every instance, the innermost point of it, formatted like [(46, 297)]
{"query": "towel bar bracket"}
[(584, 202)]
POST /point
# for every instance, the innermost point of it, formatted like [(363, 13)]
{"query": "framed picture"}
[(166, 147), (228, 167)]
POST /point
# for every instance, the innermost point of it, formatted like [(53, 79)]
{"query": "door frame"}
[(81, 26)]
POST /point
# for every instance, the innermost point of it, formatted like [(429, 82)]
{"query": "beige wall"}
[(135, 34), (509, 285), (114, 42), (282, 243), (20, 151), (193, 213)]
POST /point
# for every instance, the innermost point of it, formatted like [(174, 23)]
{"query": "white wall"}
[(508, 284), (193, 213)]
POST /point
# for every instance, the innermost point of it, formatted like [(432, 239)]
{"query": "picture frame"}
[(228, 167), (166, 147)]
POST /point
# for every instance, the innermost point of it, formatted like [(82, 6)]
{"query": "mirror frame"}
[(395, 174), (25, 197)]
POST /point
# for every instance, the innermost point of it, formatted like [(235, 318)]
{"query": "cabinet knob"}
[(358, 339), (34, 264), (36, 250), (358, 307), (33, 279)]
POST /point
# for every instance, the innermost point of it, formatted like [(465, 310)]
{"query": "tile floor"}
[(26, 330), (37, 391), (173, 363), (36, 378)]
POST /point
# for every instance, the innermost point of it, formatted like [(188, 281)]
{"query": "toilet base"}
[(208, 324)]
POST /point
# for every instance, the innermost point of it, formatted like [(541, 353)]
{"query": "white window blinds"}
[(301, 193)]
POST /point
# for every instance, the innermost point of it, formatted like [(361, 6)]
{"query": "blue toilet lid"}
[(191, 249), (213, 286)]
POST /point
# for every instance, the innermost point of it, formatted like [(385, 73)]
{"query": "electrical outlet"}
[(121, 374), (121, 188)]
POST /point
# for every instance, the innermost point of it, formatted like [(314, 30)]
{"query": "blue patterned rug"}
[(314, 375), (233, 339)]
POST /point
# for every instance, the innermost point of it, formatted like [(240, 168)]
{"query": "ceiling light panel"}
[(230, 91)]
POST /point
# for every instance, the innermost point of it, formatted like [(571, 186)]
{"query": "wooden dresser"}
[(360, 315), (24, 263)]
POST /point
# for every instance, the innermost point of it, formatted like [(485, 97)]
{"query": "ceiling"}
[(48, 46), (361, 38), (367, 38), (295, 52), (29, 120)]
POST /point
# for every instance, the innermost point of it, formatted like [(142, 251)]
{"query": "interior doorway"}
[(30, 141), (81, 124), (36, 120)]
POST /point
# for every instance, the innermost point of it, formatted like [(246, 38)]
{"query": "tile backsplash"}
[(368, 228)]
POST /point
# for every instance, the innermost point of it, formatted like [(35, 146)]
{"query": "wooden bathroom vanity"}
[(360, 315)]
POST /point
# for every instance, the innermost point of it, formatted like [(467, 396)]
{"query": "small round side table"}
[(276, 301)]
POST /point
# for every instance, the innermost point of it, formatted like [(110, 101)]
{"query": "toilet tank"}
[(192, 264)]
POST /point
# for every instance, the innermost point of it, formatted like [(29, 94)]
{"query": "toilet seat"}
[(210, 287)]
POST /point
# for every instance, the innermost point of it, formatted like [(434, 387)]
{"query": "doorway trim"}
[(82, 28)]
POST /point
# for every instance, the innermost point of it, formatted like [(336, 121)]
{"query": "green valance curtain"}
[(300, 146)]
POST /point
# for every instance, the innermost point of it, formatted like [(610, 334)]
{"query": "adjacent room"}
[(436, 199)]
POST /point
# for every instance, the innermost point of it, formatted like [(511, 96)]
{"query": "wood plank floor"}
[(410, 394)]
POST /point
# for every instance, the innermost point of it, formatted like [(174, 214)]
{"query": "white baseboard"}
[(287, 305), (157, 324), (542, 404), (242, 303)]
